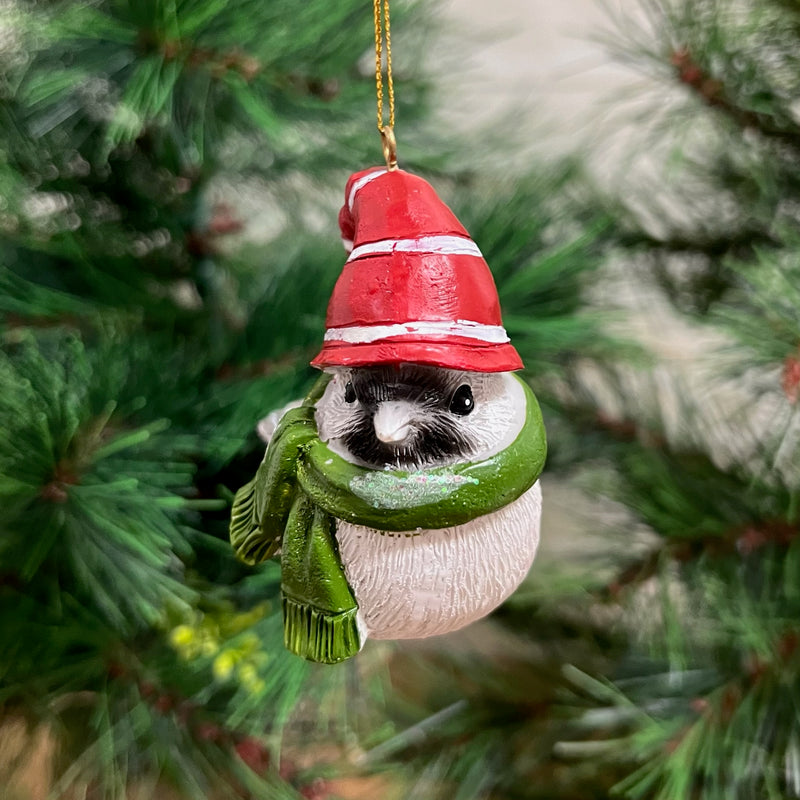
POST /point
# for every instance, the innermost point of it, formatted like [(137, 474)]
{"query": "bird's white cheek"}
[(394, 421)]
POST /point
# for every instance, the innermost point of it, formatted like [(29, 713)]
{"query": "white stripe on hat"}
[(445, 245), (362, 334), (360, 183)]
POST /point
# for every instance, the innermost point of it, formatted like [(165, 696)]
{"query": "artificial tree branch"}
[(713, 93)]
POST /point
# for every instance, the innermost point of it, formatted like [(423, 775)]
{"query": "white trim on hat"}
[(444, 245), (363, 334), (348, 244), (360, 183)]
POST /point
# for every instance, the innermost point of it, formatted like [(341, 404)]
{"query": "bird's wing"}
[(266, 426)]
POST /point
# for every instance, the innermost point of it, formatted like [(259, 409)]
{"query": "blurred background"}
[(170, 177)]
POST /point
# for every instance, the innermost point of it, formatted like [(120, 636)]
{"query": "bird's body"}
[(426, 582), (423, 583)]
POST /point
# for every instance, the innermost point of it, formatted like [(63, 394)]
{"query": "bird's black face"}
[(408, 416)]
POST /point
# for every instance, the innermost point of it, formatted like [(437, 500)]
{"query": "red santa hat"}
[(415, 288)]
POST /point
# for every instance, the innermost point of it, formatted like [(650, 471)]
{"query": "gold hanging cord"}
[(383, 26)]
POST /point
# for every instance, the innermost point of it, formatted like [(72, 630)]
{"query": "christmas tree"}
[(170, 182)]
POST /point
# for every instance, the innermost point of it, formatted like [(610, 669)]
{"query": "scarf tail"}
[(319, 610)]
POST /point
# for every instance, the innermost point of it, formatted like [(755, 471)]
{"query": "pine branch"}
[(739, 61), (766, 298), (736, 242), (686, 498), (207, 691), (712, 92), (695, 731), (104, 499), (740, 542)]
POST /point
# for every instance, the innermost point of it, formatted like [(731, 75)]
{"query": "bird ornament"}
[(403, 493)]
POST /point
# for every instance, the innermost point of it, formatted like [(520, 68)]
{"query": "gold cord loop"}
[(383, 28)]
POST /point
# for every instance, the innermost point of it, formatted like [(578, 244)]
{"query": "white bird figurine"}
[(404, 492)]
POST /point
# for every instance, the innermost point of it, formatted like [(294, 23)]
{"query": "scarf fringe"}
[(318, 635)]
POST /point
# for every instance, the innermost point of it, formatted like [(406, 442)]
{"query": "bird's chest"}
[(422, 583)]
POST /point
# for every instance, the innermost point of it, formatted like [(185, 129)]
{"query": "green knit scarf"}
[(302, 488)]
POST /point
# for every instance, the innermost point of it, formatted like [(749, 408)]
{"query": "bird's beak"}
[(394, 421)]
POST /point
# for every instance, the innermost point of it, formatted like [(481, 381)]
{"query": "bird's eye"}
[(349, 393), (462, 402)]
